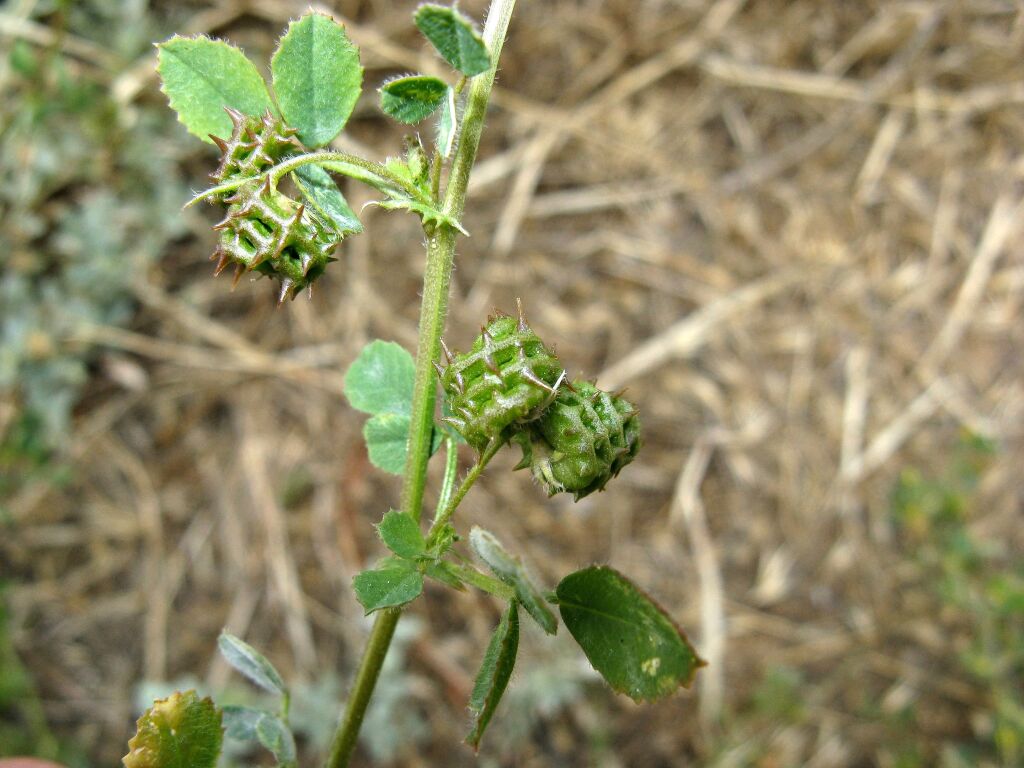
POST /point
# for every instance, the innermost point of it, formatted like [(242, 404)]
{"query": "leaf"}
[(323, 195), (413, 98), (511, 571), (494, 674), (249, 724), (240, 722), (402, 535), (181, 731), (387, 441), (626, 636), (394, 582), (446, 125), (250, 662), (202, 76), (454, 37), (317, 77), (380, 380), (277, 737)]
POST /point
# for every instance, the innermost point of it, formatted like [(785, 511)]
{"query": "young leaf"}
[(181, 731), (446, 125), (240, 722), (626, 636), (277, 737), (323, 195), (392, 583), (250, 662), (494, 674), (317, 77), (454, 37), (511, 571), (413, 98), (387, 438), (380, 380), (402, 535), (201, 77)]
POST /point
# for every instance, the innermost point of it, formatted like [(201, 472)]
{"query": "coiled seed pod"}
[(256, 144), (505, 380), (267, 231), (583, 440)]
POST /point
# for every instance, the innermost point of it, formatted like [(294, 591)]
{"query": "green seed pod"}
[(582, 440), (267, 231), (256, 144), (506, 379)]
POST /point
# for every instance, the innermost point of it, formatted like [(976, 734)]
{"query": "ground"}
[(790, 230)]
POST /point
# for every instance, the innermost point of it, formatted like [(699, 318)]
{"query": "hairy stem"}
[(433, 313), (445, 511)]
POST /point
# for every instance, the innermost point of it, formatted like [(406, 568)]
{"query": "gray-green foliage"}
[(81, 223)]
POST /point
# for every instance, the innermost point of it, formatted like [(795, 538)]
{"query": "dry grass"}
[(790, 228)]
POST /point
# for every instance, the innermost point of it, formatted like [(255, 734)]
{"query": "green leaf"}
[(454, 37), (426, 211), (402, 535), (317, 77), (323, 195), (413, 98), (626, 636), (446, 125), (201, 77), (181, 731), (392, 583), (511, 571), (494, 674), (250, 662), (277, 737), (380, 380), (387, 441)]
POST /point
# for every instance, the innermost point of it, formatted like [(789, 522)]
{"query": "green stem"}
[(481, 581), (451, 470), (445, 512), (433, 312)]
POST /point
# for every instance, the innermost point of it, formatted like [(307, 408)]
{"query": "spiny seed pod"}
[(267, 231), (583, 440), (256, 144), (506, 379)]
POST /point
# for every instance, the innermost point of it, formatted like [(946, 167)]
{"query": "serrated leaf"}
[(322, 193), (380, 380), (181, 731), (276, 737), (627, 637), (446, 125), (413, 98), (387, 441), (250, 662), (392, 583), (511, 570), (494, 674), (202, 76), (317, 77), (401, 534), (454, 37)]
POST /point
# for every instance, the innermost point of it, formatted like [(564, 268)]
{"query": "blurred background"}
[(790, 228)]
